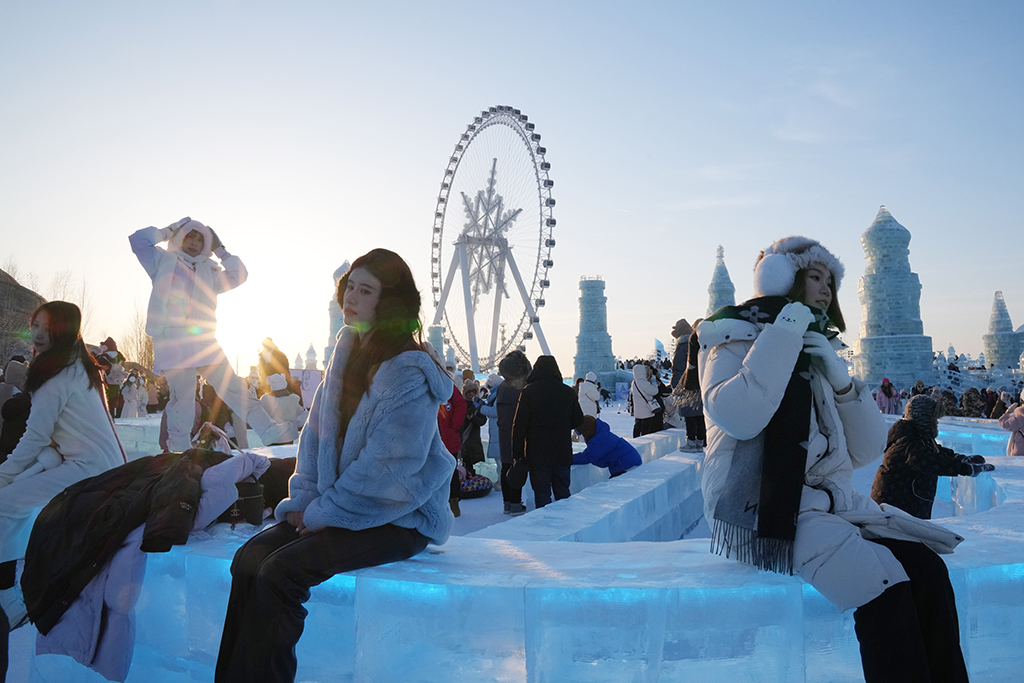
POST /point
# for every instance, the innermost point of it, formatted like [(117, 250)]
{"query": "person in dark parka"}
[(547, 413), (914, 460)]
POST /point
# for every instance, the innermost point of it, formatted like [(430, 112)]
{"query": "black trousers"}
[(696, 430), (548, 480), (270, 580), (509, 493), (911, 633)]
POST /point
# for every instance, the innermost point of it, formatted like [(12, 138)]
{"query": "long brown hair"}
[(834, 313), (396, 326), (66, 346)]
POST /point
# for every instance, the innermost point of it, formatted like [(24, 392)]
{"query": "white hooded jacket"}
[(182, 312)]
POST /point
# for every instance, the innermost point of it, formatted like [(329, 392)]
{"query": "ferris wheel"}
[(492, 239)]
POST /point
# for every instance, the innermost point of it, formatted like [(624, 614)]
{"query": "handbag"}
[(249, 506), (516, 475), (654, 402)]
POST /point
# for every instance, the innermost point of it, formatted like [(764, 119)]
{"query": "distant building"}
[(721, 291), (892, 341), (1003, 346), (310, 358)]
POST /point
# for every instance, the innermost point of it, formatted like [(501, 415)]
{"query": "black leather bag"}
[(249, 507), (517, 474)]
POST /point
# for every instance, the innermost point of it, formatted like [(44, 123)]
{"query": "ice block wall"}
[(515, 603)]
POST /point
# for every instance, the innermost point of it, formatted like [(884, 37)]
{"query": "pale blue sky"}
[(307, 133)]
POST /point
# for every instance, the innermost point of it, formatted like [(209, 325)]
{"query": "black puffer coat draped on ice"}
[(81, 529)]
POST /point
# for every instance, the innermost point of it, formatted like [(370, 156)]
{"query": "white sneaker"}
[(13, 603)]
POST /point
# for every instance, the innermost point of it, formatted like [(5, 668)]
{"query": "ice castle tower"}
[(1002, 345), (892, 341), (593, 343), (334, 312), (721, 291)]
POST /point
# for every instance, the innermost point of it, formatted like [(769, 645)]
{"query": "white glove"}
[(794, 317), (173, 228), (831, 365)]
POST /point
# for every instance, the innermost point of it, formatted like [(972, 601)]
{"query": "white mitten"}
[(174, 227), (831, 365), (794, 317)]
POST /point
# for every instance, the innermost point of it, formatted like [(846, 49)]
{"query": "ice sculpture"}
[(593, 343), (1003, 346), (310, 358), (334, 312), (892, 342), (721, 291)]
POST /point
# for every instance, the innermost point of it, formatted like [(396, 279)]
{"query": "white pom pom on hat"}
[(775, 270)]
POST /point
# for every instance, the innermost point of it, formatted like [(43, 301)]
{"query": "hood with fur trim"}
[(176, 240), (776, 267)]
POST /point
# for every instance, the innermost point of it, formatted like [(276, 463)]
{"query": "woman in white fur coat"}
[(786, 427), (372, 477), (69, 435)]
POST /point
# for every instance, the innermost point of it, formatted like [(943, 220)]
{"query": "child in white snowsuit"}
[(182, 320)]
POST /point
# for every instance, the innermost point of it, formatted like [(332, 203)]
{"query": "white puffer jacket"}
[(744, 370), (590, 398), (184, 329), (641, 390)]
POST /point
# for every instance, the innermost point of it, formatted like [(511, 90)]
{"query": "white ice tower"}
[(892, 340), (721, 291), (593, 343), (337, 318), (1003, 346)]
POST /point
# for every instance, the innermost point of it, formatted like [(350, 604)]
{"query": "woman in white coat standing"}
[(135, 396), (69, 435), (643, 393), (590, 396), (786, 427)]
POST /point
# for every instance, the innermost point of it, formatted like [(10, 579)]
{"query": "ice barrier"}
[(519, 602)]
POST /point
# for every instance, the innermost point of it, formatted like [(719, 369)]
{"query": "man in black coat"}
[(547, 413)]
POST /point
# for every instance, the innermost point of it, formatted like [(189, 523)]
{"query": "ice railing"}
[(519, 601)]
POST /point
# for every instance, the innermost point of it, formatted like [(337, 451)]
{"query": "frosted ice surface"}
[(520, 601)]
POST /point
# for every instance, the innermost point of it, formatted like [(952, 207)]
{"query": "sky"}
[(307, 133)]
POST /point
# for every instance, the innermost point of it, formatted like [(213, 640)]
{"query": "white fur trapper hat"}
[(277, 382), (775, 270)]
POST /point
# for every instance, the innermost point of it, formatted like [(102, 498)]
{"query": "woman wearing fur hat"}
[(786, 427), (372, 476), (182, 320)]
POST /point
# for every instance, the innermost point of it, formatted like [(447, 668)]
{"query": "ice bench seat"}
[(519, 602)]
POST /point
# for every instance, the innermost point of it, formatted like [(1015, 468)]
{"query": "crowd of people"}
[(394, 438)]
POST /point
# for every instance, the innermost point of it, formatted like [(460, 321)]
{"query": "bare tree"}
[(62, 285), (84, 302), (12, 267), (136, 345)]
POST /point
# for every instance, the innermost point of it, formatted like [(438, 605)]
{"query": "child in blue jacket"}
[(605, 449)]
